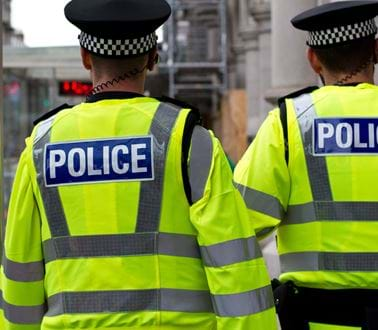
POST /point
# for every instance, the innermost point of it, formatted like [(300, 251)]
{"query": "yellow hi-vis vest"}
[(101, 235), (325, 201)]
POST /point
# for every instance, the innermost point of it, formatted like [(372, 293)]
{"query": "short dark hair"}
[(116, 67), (348, 57)]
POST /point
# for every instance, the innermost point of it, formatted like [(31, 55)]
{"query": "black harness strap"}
[(283, 114), (283, 117), (193, 119)]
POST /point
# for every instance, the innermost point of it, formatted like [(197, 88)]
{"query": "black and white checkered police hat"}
[(338, 23), (117, 28)]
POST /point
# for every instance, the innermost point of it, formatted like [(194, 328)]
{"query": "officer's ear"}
[(376, 52), (314, 61), (153, 59), (86, 58)]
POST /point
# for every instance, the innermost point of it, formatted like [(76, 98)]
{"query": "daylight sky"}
[(43, 23)]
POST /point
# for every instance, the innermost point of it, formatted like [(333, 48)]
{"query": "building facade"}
[(267, 55)]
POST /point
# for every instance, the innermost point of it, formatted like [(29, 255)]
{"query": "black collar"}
[(353, 84), (111, 95)]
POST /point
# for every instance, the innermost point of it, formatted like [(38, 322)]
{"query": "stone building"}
[(267, 55)]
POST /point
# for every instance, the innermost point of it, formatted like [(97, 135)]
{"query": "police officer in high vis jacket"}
[(123, 213), (312, 174)]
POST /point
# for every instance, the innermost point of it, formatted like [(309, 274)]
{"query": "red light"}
[(74, 88), (66, 86)]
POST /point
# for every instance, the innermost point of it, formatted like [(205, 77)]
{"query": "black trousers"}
[(297, 306)]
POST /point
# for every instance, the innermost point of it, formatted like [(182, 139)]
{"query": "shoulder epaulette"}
[(52, 113), (297, 93), (283, 114), (178, 103)]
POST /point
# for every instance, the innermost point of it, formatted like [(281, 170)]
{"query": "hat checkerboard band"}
[(340, 34), (114, 48)]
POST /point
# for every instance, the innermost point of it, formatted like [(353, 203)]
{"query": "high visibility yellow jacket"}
[(325, 201), (100, 233)]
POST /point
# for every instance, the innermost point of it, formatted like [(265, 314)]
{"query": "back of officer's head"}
[(348, 57), (118, 35), (130, 67), (341, 35)]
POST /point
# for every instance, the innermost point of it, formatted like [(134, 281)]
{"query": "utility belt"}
[(297, 306)]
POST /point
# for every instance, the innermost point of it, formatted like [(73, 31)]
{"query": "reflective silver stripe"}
[(231, 252), (151, 192), (23, 272), (242, 304), (329, 261), (201, 157), (178, 245), (44, 129), (130, 301), (186, 301), (50, 195), (22, 314), (261, 202), (332, 211), (121, 245), (316, 166)]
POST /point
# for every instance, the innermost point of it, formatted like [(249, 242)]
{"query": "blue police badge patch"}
[(345, 136), (99, 161)]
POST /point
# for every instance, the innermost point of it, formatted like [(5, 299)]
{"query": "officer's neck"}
[(332, 78), (128, 85)]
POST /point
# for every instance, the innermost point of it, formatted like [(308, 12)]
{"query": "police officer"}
[(123, 212), (312, 174)]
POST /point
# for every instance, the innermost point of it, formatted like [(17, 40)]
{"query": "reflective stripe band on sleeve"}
[(121, 245), (261, 202), (332, 211), (231, 252), (22, 314), (316, 166), (23, 272), (151, 192), (329, 261), (130, 301), (243, 304), (50, 195), (178, 245), (201, 157)]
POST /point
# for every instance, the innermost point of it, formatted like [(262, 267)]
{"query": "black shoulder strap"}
[(179, 103), (283, 114), (283, 117), (52, 113), (193, 119)]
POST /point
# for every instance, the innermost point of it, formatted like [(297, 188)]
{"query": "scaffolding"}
[(196, 42)]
